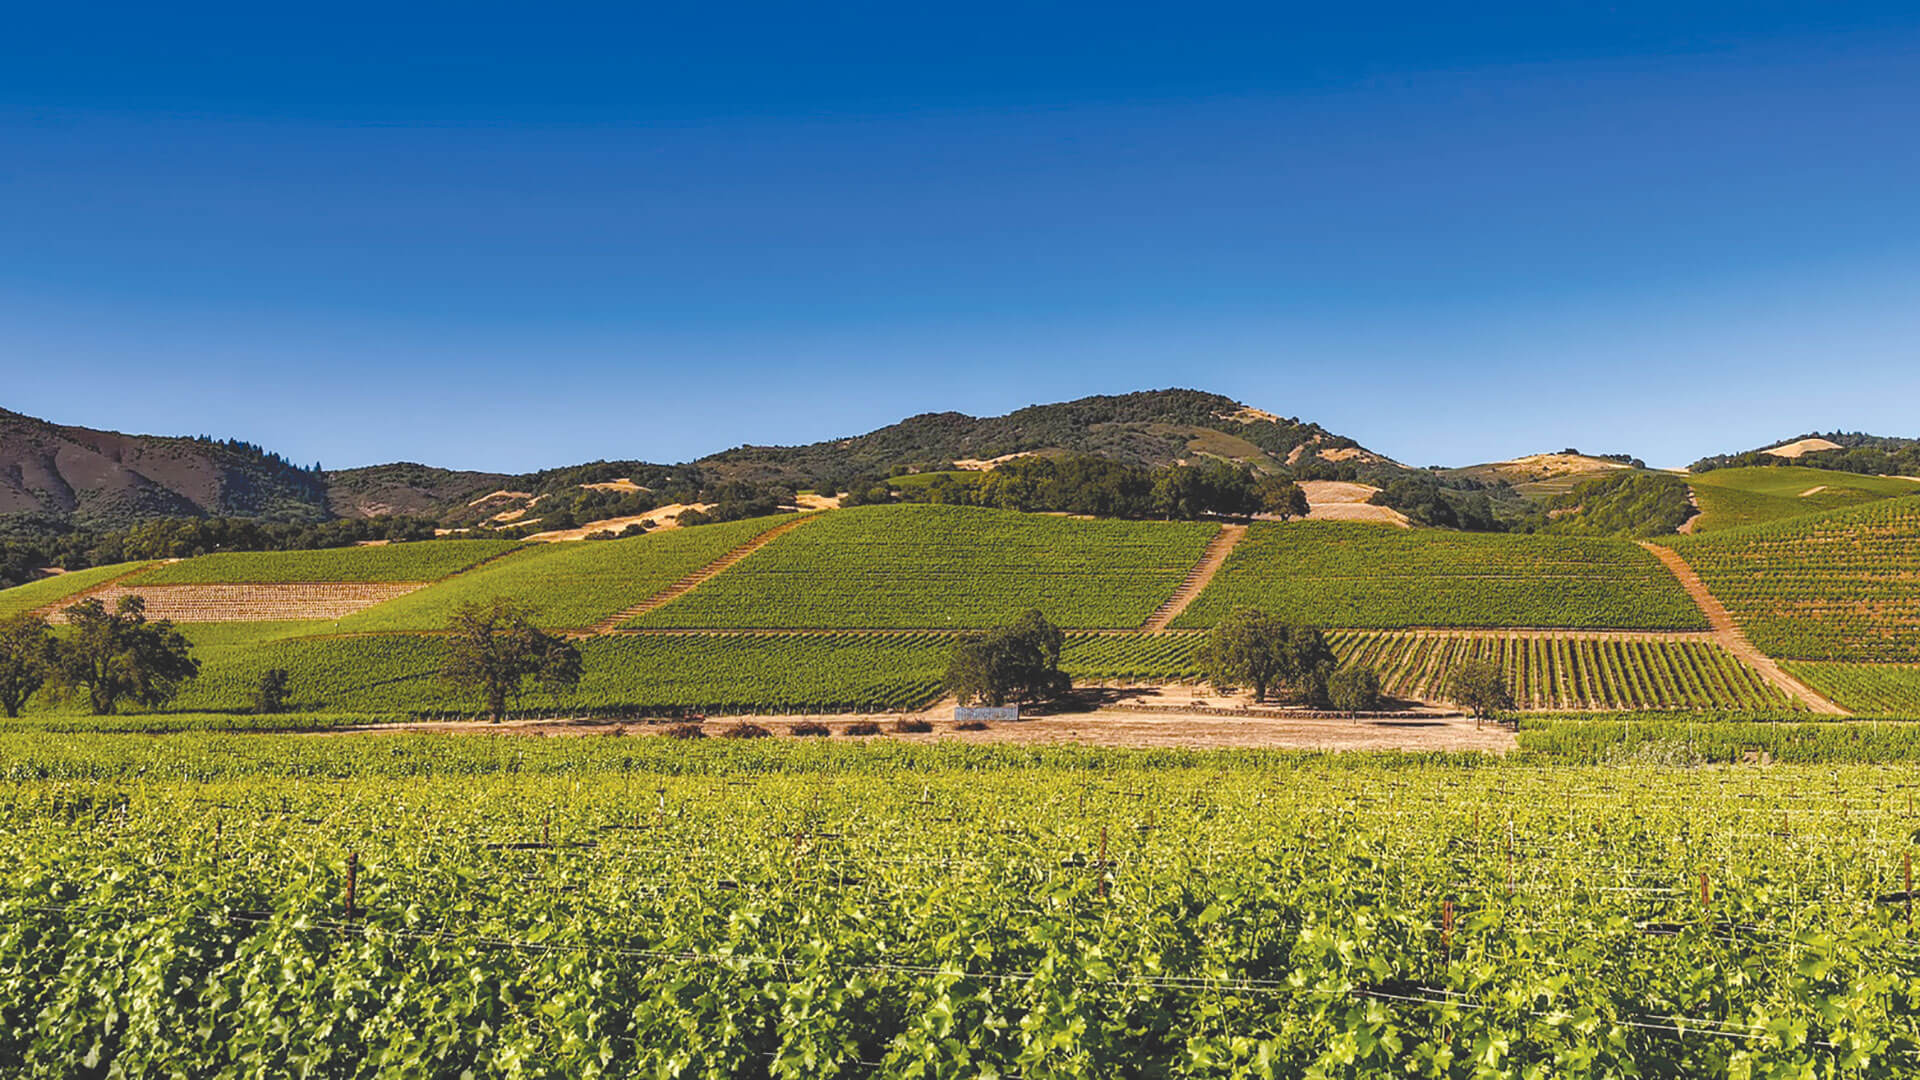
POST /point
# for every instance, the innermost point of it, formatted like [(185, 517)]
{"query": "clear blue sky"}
[(511, 236)]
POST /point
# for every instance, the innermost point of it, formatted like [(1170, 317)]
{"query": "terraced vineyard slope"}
[(1545, 670), (1344, 574), (1867, 689), (1730, 498), (51, 593), (694, 580), (1197, 579), (715, 673), (422, 560), (1838, 586), (571, 585), (935, 567)]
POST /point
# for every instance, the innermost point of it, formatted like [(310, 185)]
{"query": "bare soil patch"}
[(983, 464), (1247, 414), (1802, 448), (501, 494), (259, 603), (1337, 500), (1197, 731), (660, 517)]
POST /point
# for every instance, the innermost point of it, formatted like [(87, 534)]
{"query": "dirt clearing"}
[(1337, 500), (1802, 448), (1142, 717), (661, 517), (1098, 728), (258, 603)]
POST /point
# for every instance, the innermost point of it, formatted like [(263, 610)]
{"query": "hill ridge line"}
[(1734, 639), (687, 584), (1197, 579)]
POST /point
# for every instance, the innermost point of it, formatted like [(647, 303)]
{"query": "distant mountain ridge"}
[(106, 479)]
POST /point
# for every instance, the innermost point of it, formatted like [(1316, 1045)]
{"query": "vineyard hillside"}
[(59, 589), (829, 671), (570, 585), (424, 560), (1837, 586), (933, 566), (1730, 498), (1343, 574)]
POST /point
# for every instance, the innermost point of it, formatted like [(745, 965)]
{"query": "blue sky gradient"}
[(513, 237)]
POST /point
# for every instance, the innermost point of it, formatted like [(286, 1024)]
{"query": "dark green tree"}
[(494, 648), (1018, 662), (26, 660), (1254, 649), (1354, 689), (118, 654), (1281, 497), (270, 693), (1480, 687)]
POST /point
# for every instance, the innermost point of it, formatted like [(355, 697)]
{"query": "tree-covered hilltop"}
[(1148, 428), (1854, 451)]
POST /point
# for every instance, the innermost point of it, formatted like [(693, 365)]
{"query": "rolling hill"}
[(1152, 427), (66, 476)]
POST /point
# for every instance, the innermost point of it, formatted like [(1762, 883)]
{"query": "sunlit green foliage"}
[(1355, 575), (50, 591), (1745, 496), (1867, 689), (573, 584), (1839, 586), (926, 566), (647, 907)]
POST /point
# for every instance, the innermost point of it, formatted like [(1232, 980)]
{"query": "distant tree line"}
[(29, 544), (1450, 503), (1871, 455), (1101, 487)]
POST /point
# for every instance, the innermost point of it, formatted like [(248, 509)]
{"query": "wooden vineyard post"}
[(1907, 859), (1706, 890), (1509, 856), (1103, 860), (1446, 927), (353, 879)]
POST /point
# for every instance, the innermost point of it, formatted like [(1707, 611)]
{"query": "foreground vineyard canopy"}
[(610, 908)]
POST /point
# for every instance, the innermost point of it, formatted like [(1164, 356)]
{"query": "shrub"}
[(1354, 689), (970, 725), (810, 727), (912, 727), (270, 693), (744, 730), (863, 727), (685, 731)]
